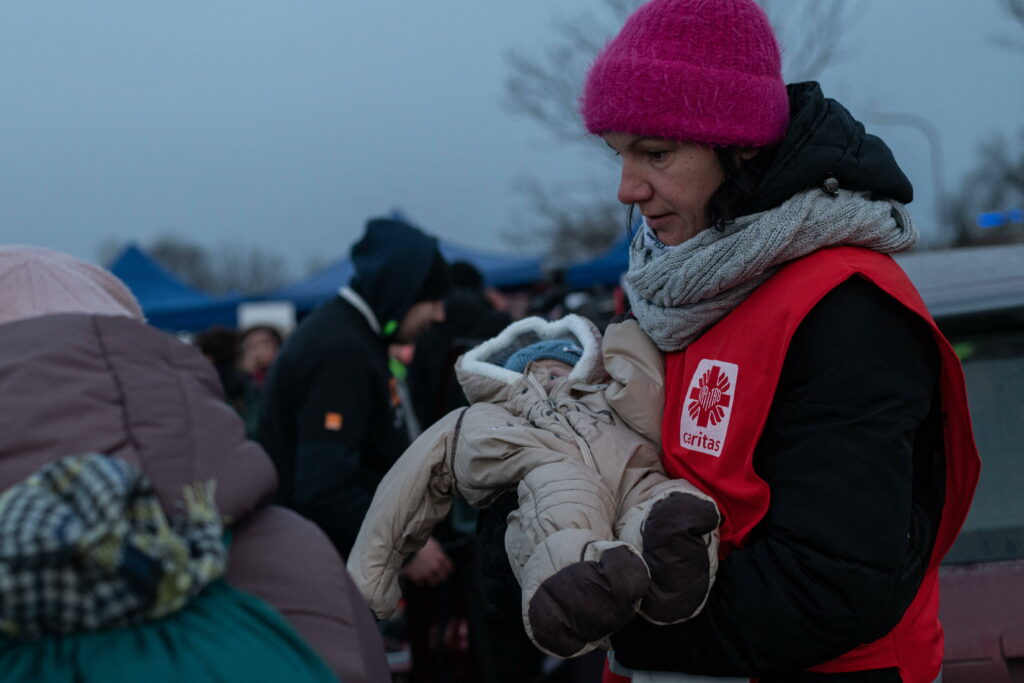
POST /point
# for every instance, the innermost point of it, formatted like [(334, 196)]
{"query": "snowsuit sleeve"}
[(413, 497), (637, 369), (476, 453), (497, 449)]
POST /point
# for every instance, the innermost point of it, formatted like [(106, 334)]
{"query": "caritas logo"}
[(708, 406)]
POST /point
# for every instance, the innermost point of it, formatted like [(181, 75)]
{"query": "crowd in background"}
[(443, 632), (242, 357)]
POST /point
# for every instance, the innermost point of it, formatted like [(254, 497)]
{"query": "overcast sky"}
[(285, 124)]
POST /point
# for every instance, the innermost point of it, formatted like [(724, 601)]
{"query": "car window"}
[(994, 368)]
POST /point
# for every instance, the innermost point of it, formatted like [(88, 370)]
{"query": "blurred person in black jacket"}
[(469, 319), (331, 418), (502, 650)]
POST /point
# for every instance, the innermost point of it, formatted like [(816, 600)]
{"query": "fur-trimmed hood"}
[(481, 371)]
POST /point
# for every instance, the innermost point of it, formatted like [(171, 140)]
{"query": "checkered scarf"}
[(85, 545)]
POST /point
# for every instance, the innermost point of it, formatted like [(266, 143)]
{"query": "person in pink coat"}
[(81, 372)]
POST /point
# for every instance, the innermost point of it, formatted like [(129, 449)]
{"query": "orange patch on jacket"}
[(396, 400), (333, 421)]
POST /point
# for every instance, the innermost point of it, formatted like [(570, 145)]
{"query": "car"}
[(976, 295)]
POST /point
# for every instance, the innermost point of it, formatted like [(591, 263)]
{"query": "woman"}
[(259, 347), (808, 390), (82, 374)]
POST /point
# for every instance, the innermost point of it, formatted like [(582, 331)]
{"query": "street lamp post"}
[(931, 134)]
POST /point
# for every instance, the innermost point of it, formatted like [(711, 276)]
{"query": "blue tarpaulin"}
[(498, 270), (604, 269), (167, 302), (318, 287)]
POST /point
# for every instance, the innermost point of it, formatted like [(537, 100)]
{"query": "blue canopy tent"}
[(318, 287), (497, 270), (604, 269), (167, 302)]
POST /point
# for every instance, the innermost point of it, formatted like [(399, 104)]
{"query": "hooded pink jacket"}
[(76, 383)]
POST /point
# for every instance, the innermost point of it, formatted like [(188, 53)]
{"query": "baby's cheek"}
[(553, 382)]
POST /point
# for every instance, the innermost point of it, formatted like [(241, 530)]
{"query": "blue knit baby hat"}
[(567, 351)]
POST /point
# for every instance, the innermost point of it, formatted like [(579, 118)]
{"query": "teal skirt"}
[(222, 635)]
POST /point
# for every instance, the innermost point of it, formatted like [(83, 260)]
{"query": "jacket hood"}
[(823, 140), (481, 371), (39, 281), (73, 383), (392, 261)]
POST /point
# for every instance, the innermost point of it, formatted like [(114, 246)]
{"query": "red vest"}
[(719, 391)]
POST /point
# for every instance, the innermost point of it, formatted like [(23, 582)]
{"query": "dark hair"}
[(269, 329), (464, 275), (219, 344), (734, 197)]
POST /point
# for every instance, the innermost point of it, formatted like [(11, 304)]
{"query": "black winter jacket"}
[(332, 419), (469, 320), (844, 453), (850, 429)]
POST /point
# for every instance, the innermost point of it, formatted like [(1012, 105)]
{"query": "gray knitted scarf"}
[(677, 294)]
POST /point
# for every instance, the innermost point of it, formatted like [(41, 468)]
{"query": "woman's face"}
[(259, 348), (671, 182)]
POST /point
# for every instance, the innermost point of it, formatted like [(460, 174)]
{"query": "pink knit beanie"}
[(704, 71), (35, 281)]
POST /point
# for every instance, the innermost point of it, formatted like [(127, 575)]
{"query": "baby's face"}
[(556, 371)]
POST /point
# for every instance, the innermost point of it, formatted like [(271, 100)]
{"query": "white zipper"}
[(588, 456)]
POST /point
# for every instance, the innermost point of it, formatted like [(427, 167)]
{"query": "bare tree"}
[(568, 220), (986, 207), (811, 34), (250, 270), (546, 89), (1015, 11), (188, 260), (570, 223)]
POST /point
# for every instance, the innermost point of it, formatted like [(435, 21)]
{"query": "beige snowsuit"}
[(599, 531)]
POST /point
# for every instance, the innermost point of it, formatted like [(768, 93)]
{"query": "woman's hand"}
[(429, 566)]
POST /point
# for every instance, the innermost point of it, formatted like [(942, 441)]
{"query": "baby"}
[(573, 424), (545, 356)]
